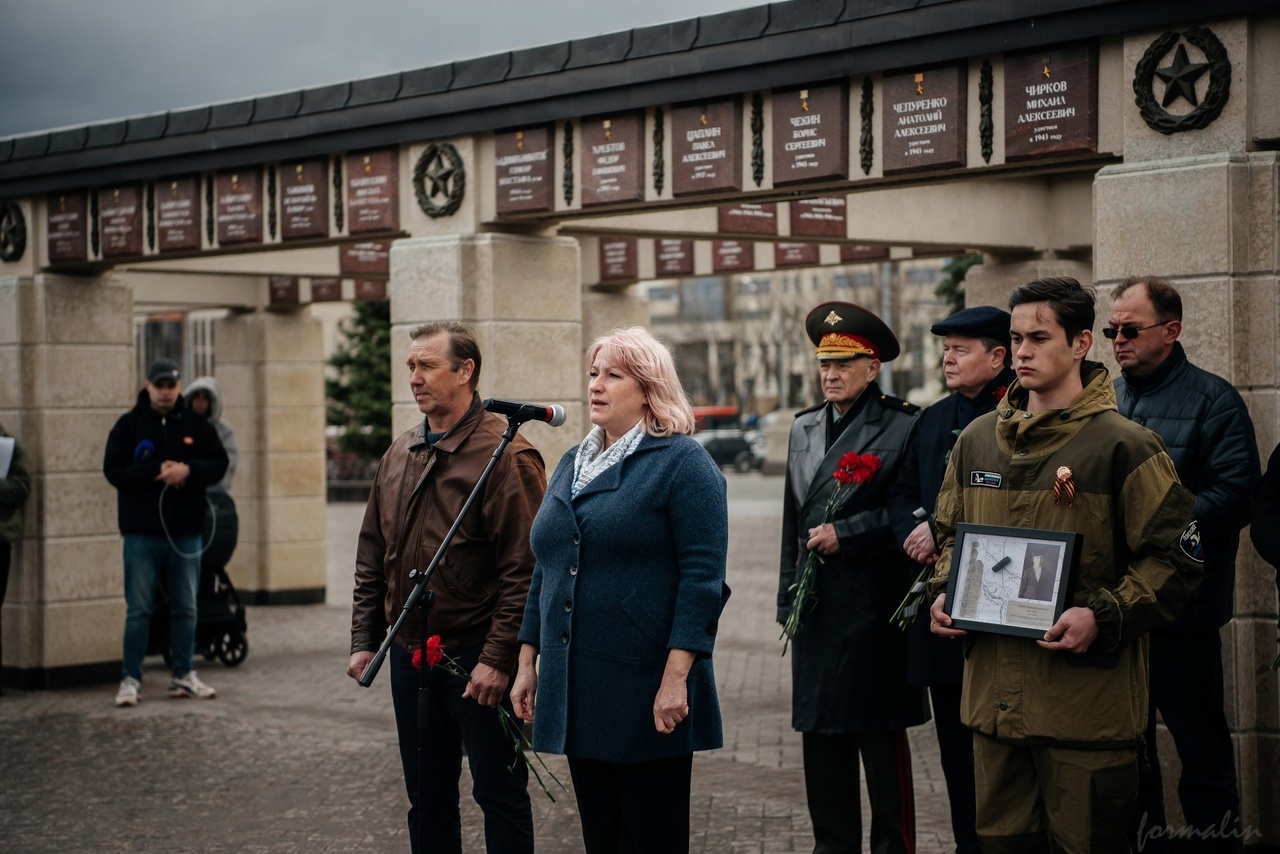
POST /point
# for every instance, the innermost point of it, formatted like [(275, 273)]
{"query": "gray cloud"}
[(68, 62)]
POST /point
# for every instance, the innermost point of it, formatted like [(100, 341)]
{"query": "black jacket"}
[(932, 660), (143, 438), (848, 661), (1208, 433)]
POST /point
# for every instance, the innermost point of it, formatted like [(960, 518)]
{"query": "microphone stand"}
[(422, 599)]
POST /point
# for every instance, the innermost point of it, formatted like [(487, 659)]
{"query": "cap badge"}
[(833, 318)]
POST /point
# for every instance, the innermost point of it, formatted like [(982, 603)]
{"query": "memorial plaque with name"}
[(326, 290), (852, 253), (284, 290), (618, 259), (369, 258), (368, 289), (238, 207), (747, 218), (673, 257), (65, 224), (818, 217), (924, 119), (120, 216), (304, 199), (525, 167), (612, 160), (795, 254), (373, 191), (1051, 103), (706, 148), (810, 135), (177, 214), (730, 255)]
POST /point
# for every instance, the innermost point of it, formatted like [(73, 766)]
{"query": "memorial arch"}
[(528, 191)]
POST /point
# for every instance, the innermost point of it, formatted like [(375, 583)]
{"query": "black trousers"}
[(835, 800), (1186, 688), (633, 807), (955, 750), (499, 777)]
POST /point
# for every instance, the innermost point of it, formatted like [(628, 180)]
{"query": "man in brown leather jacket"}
[(480, 587)]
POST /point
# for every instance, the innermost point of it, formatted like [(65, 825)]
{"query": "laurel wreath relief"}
[(1216, 96)]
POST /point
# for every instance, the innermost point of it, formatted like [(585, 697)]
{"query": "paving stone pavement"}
[(292, 756)]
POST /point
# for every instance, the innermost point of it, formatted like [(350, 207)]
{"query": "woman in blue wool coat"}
[(630, 544)]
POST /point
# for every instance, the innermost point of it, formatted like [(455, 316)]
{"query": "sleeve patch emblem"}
[(1191, 543)]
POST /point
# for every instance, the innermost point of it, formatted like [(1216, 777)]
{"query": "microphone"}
[(552, 415)]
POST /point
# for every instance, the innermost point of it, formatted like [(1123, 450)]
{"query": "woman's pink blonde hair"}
[(636, 352)]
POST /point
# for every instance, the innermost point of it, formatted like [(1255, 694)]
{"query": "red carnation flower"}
[(856, 468), (999, 392), (435, 653)]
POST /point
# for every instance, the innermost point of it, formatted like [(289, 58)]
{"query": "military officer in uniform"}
[(849, 694), (975, 363)]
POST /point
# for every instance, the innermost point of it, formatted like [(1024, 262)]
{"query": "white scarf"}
[(590, 460)]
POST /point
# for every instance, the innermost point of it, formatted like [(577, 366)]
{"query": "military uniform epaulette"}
[(897, 403), (813, 408)]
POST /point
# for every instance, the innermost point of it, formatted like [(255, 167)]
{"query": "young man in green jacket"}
[(1059, 721)]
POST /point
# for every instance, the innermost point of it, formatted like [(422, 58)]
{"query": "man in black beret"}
[(975, 362), (849, 695)]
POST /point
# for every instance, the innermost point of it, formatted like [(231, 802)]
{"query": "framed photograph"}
[(1011, 581)]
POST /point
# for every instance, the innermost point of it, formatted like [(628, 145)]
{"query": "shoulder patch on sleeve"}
[(1191, 543)]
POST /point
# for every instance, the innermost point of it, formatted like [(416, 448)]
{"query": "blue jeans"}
[(499, 778), (145, 557)]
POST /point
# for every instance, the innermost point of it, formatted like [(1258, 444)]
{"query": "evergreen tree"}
[(951, 286), (359, 399)]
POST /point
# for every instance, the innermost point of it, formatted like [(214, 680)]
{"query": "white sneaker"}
[(128, 693), (190, 686)]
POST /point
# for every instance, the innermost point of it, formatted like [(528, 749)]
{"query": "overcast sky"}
[(71, 62)]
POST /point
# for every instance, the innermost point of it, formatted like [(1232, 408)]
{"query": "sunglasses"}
[(1130, 332)]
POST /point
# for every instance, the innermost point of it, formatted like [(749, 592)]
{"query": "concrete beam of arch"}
[(156, 290), (1018, 215)]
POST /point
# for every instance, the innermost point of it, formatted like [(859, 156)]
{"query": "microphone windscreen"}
[(557, 415)]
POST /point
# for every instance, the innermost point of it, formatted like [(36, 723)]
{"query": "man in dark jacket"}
[(849, 696), (975, 362), (160, 458), (1209, 435), (479, 588)]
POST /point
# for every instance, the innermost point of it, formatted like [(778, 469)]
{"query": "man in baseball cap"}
[(160, 457), (975, 363), (849, 698)]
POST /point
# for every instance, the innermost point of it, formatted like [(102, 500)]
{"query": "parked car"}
[(730, 447)]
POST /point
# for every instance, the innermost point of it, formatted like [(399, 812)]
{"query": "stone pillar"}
[(270, 366), (522, 295), (1199, 208), (66, 375)]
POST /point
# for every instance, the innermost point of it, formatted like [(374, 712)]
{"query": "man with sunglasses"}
[(1209, 435)]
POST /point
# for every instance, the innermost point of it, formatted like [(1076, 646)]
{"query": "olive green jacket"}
[(1139, 561), (14, 490)]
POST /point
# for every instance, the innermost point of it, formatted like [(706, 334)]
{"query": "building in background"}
[(739, 340)]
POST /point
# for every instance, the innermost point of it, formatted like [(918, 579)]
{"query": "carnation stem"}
[(514, 730)]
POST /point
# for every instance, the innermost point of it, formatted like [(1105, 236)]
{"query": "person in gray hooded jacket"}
[(204, 397), (222, 528)]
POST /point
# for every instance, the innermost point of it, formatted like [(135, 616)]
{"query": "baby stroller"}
[(220, 620)]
